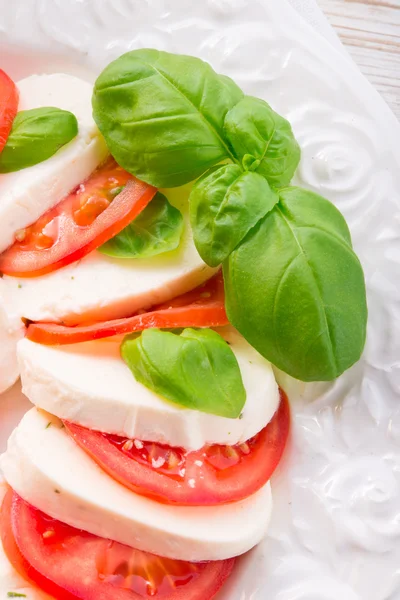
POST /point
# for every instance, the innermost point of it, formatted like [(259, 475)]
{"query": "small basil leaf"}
[(250, 163), (35, 136), (162, 115), (295, 289), (196, 369), (225, 203), (156, 230), (252, 127)]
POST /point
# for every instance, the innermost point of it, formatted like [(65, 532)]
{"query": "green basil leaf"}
[(250, 163), (162, 115), (196, 369), (156, 230), (256, 132), (225, 203), (295, 289), (35, 136)]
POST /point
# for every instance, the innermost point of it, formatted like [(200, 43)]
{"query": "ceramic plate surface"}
[(335, 533)]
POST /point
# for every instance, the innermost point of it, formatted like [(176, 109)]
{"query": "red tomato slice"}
[(210, 476), (202, 307), (83, 221), (8, 106), (70, 564)]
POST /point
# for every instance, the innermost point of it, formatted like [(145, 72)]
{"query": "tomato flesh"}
[(8, 106), (213, 475), (87, 218), (71, 564), (203, 307)]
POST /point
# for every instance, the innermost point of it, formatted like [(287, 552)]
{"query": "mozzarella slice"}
[(46, 468), (99, 287), (11, 330), (13, 406), (25, 195), (11, 583), (90, 384)]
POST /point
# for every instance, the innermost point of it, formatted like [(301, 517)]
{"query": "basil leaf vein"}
[(196, 369), (156, 230), (36, 135), (225, 203)]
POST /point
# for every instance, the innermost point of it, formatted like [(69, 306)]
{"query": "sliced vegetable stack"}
[(144, 467), (166, 464)]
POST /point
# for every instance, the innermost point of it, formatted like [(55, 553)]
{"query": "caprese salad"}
[(156, 265)]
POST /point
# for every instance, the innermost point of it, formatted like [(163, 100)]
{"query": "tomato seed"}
[(20, 235), (245, 448), (48, 534), (128, 445)]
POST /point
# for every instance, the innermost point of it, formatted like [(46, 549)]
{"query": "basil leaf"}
[(162, 115), (295, 289), (35, 136), (225, 204), (196, 369), (157, 229), (257, 133)]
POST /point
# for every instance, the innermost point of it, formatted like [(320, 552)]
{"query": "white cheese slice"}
[(91, 385), (11, 330), (99, 287), (27, 194), (46, 468), (10, 581)]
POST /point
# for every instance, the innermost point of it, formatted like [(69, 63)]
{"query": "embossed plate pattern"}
[(336, 523)]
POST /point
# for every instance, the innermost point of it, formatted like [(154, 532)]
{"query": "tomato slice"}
[(70, 564), (88, 217), (202, 307), (210, 476), (9, 97)]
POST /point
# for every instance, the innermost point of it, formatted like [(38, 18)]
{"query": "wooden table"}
[(370, 29)]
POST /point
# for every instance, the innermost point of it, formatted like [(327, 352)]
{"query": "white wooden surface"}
[(370, 29)]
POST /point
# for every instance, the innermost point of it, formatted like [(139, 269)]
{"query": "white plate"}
[(336, 523)]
